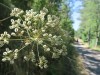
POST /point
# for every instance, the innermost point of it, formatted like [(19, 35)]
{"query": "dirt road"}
[(91, 59)]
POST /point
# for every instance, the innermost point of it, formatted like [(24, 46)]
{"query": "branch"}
[(5, 19)]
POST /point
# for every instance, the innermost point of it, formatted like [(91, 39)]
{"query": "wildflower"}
[(25, 58), (5, 37), (35, 31), (42, 62), (44, 46), (49, 18), (27, 43), (32, 29), (16, 12), (16, 50), (50, 35), (43, 30), (4, 59), (45, 34), (40, 41), (16, 30), (55, 55), (13, 34), (48, 49)]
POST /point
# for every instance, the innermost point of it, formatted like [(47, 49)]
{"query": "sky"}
[(75, 13)]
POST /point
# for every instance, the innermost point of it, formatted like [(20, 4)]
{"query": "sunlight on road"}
[(91, 59)]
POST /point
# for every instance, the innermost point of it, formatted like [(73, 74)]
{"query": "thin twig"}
[(5, 18)]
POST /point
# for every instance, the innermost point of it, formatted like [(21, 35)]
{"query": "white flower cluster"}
[(15, 25), (5, 37), (42, 62), (56, 40), (46, 48), (16, 12), (58, 52), (52, 20), (30, 56), (33, 29), (10, 55)]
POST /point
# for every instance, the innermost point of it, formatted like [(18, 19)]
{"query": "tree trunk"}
[(96, 42)]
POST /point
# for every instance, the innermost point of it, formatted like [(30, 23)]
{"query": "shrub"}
[(36, 40)]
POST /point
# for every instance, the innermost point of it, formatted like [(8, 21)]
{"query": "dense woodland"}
[(89, 30)]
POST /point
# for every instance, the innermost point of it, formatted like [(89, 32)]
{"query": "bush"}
[(35, 38), (37, 45)]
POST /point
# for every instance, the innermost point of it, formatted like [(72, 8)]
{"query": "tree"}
[(89, 27)]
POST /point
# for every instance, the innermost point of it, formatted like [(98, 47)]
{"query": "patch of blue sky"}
[(75, 8)]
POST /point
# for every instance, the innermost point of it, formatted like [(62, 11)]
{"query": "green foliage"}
[(89, 28)]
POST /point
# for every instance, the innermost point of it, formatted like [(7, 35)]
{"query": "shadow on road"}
[(91, 59)]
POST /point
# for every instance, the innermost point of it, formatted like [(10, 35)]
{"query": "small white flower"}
[(16, 29), (6, 41), (12, 20), (30, 27), (16, 50), (24, 22), (5, 33), (11, 27), (40, 42), (4, 53), (42, 62), (45, 34), (9, 51), (43, 30), (35, 31), (50, 35), (15, 56), (54, 36), (1, 38), (26, 27), (18, 21), (13, 34), (27, 43), (4, 59), (45, 65), (52, 25), (36, 39), (55, 55), (45, 9), (48, 49), (29, 22), (44, 46), (49, 18), (26, 58)]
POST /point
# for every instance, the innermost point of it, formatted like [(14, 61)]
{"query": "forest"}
[(37, 36), (89, 30)]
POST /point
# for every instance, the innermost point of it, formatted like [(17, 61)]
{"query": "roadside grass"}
[(86, 45), (96, 48), (83, 70), (80, 63)]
